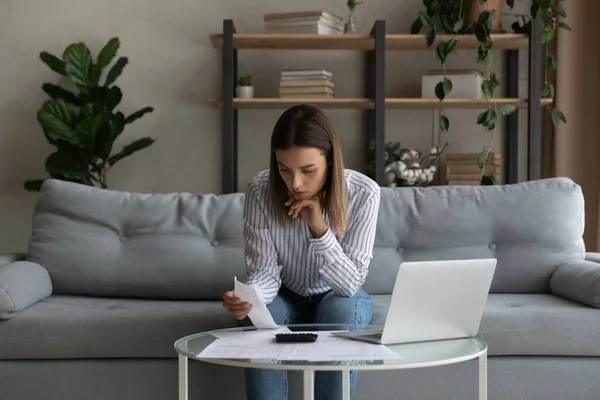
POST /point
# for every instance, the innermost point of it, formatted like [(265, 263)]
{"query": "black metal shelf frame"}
[(375, 117)]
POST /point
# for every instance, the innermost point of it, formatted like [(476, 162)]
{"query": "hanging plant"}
[(455, 17), (550, 13)]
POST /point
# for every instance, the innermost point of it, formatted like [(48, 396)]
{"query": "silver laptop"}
[(434, 300)]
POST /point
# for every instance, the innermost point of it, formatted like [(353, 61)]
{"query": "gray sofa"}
[(110, 280)]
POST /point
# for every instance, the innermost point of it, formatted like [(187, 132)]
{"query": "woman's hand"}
[(310, 211), (235, 305)]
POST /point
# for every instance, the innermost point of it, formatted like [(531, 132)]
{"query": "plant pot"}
[(244, 92), (477, 9)]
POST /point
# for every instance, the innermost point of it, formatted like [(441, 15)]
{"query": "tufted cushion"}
[(108, 243), (183, 246), (531, 228)]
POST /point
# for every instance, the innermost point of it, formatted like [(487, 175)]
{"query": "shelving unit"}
[(374, 104)]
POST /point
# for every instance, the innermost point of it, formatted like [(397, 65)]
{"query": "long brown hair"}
[(307, 126)]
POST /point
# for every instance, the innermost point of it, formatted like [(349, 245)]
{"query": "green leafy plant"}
[(245, 80), (447, 17), (551, 15), (83, 124)]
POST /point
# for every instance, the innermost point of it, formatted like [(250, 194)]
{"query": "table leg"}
[(483, 390), (346, 385), (183, 377), (309, 385)]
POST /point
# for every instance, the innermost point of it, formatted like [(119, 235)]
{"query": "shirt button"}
[(400, 250), (492, 246), (123, 239), (214, 243)]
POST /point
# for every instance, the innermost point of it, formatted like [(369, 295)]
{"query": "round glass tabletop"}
[(410, 355)]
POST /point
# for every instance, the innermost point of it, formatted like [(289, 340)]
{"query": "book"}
[(306, 96), (472, 168), (307, 82), (301, 14), (316, 29), (469, 157), (465, 177), (303, 73), (306, 89), (476, 182)]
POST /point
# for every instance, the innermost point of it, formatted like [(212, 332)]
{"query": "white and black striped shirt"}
[(277, 255)]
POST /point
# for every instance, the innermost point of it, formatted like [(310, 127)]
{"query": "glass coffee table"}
[(413, 355)]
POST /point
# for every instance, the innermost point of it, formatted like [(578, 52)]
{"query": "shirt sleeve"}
[(345, 264), (263, 269)]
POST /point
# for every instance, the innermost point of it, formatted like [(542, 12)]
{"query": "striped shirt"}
[(291, 256)]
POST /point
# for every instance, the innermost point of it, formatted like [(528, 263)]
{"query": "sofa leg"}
[(483, 391), (183, 377)]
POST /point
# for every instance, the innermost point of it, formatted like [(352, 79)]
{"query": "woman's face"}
[(303, 169)]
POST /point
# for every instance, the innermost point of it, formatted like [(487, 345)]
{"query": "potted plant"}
[(244, 88), (479, 17), (84, 125), (408, 167)]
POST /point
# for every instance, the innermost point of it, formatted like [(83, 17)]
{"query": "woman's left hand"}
[(310, 211)]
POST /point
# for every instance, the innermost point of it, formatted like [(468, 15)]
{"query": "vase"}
[(244, 92), (350, 26), (477, 9)]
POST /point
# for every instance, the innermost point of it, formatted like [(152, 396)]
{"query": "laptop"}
[(433, 300)]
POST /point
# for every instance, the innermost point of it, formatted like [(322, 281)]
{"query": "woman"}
[(309, 228)]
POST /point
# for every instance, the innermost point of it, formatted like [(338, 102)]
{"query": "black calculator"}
[(296, 337)]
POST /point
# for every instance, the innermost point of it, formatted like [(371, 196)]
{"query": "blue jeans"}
[(291, 308)]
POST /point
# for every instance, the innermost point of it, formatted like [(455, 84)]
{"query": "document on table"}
[(332, 348), (262, 345), (259, 315)]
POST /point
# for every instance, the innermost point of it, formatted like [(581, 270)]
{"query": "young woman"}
[(309, 228)]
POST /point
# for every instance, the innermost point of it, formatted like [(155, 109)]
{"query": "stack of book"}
[(306, 83), (305, 22), (462, 168)]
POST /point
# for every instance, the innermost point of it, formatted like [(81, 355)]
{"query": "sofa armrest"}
[(592, 256), (578, 280), (22, 284), (7, 258)]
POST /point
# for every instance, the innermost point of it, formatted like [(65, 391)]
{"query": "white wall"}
[(173, 67)]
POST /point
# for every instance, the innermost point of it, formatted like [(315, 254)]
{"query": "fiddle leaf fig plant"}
[(83, 123)]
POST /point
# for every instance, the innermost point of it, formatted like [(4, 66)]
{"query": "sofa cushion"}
[(108, 243), (530, 228), (530, 324), (80, 327), (86, 327)]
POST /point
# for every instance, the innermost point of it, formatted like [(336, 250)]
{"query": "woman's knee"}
[(280, 310), (355, 310)]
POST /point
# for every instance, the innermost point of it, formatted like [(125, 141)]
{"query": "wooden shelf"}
[(276, 102), (502, 41), (366, 104), (454, 103), (296, 41)]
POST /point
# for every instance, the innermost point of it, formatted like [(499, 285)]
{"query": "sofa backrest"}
[(99, 242), (530, 228), (108, 243)]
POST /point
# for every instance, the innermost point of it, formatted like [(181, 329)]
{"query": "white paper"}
[(233, 349), (259, 315), (260, 345), (332, 348), (263, 336)]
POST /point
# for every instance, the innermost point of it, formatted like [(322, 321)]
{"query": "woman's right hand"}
[(236, 307)]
